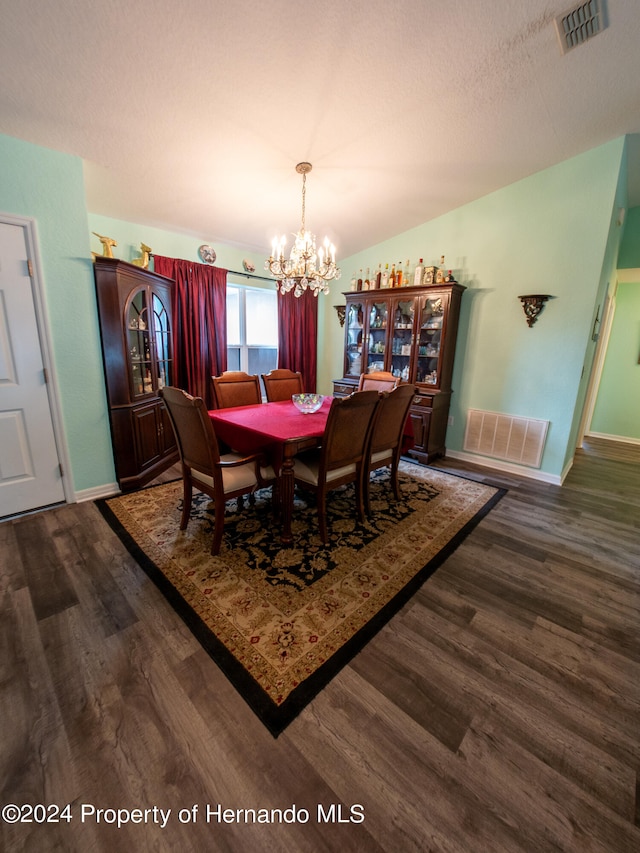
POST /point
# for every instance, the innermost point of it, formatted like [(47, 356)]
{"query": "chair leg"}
[(360, 488), (322, 516), (218, 528), (394, 480), (186, 503), (366, 491)]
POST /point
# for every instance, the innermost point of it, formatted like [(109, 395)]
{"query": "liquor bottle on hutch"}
[(360, 280), (417, 275), (406, 276), (379, 277), (366, 284), (392, 276), (384, 281)]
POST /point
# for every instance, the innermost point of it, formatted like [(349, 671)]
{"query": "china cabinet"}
[(411, 332), (134, 309)]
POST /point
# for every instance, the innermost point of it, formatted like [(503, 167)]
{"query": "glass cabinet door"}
[(402, 318), (354, 338), (162, 343), (139, 344), (430, 333), (377, 337)]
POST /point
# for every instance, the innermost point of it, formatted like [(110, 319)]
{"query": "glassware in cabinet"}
[(432, 315), (403, 315), (162, 342), (377, 335), (139, 345), (354, 338)]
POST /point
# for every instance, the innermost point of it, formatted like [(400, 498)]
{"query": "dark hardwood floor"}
[(499, 711)]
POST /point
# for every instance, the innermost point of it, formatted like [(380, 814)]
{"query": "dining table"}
[(279, 431)]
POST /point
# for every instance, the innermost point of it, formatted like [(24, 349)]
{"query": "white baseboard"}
[(97, 492), (625, 439), (508, 467)]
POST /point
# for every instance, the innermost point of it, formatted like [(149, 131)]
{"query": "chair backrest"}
[(378, 380), (195, 436), (391, 417), (348, 429), (235, 388), (280, 384)]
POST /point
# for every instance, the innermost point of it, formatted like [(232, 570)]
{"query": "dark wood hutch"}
[(411, 332), (134, 310)]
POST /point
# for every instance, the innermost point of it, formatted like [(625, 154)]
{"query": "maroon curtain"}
[(298, 335), (199, 323)]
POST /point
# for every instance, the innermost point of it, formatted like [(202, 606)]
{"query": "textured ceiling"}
[(192, 115)]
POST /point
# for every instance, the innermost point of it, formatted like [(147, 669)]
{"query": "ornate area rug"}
[(281, 622)]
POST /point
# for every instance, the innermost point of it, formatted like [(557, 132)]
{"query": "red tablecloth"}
[(267, 426)]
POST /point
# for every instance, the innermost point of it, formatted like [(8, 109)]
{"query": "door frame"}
[(597, 365), (29, 227)]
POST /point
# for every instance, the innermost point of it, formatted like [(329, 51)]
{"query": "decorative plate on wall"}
[(207, 254)]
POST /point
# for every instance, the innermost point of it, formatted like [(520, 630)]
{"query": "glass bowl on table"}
[(307, 403)]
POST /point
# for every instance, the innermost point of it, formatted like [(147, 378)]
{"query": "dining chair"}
[(280, 384), (378, 380), (235, 388), (385, 444), (341, 458), (222, 477)]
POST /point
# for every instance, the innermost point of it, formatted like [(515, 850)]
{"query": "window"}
[(252, 329)]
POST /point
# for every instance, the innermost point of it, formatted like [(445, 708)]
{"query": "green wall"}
[(48, 187), (617, 409), (549, 234), (630, 250)]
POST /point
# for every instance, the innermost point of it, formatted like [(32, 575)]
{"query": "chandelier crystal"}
[(305, 268)]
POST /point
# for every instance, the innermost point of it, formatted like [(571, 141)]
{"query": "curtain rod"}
[(237, 272), (252, 275)]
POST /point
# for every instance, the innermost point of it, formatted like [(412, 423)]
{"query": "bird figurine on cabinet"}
[(107, 245), (143, 261)]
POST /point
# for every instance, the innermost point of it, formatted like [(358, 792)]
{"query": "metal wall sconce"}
[(341, 309), (532, 306)]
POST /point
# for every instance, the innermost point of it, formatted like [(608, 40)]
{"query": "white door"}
[(30, 472)]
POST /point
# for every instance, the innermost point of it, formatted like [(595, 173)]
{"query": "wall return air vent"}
[(506, 437), (580, 23)]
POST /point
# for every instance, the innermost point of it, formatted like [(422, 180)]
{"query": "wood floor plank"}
[(553, 814), (49, 584), (577, 757), (496, 657)]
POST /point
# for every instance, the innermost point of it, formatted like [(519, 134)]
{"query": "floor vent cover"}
[(519, 440), (577, 25)]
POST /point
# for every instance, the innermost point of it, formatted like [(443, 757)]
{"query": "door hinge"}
[(45, 375), (61, 469), (30, 267)]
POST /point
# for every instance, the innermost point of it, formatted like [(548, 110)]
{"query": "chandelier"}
[(305, 268)]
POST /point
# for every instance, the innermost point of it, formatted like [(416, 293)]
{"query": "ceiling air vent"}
[(577, 25)]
